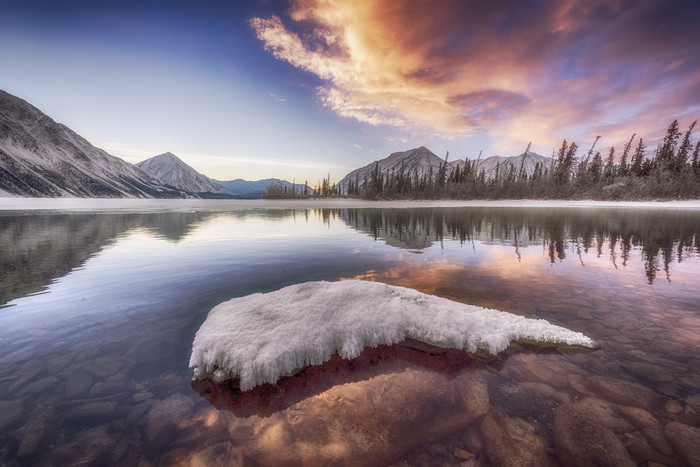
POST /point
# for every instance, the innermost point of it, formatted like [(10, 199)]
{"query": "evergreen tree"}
[(684, 150), (638, 159), (665, 156), (596, 168), (610, 164), (623, 160)]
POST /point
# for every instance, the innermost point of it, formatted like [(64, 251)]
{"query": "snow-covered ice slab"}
[(262, 337)]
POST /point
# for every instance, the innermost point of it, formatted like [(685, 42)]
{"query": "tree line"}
[(672, 171)]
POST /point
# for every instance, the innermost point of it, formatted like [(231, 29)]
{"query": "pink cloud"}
[(565, 69)]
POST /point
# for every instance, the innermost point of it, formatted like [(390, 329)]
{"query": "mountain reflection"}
[(36, 249), (662, 236)]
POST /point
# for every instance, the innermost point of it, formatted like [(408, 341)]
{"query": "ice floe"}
[(262, 337)]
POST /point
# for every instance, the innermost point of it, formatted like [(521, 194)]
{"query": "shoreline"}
[(145, 205)]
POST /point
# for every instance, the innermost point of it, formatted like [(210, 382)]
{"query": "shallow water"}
[(100, 310)]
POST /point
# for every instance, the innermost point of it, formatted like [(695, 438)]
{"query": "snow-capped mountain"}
[(42, 158), (417, 160), (170, 170), (245, 189), (504, 164), (421, 160)]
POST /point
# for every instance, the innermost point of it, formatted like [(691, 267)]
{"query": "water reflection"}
[(663, 237), (39, 248), (95, 370)]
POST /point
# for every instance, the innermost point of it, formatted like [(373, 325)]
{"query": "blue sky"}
[(301, 89)]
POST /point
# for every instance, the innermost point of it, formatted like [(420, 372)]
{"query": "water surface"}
[(99, 311)]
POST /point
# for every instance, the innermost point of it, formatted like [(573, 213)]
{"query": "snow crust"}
[(262, 337)]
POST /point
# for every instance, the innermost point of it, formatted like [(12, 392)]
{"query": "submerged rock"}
[(623, 392), (78, 386), (580, 440), (371, 422), (91, 447), (11, 412), (93, 412), (512, 441), (686, 439), (218, 454), (164, 417)]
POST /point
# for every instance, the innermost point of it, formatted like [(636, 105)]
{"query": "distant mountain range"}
[(421, 160), (42, 158), (245, 189)]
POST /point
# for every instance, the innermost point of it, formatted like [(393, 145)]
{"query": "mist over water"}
[(99, 311)]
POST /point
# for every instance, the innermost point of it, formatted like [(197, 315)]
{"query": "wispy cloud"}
[(357, 146), (277, 98), (508, 69)]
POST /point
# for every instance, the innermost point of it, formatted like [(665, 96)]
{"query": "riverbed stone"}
[(373, 421), (473, 389), (138, 410), (472, 439), (25, 373), (11, 412), (686, 440), (576, 382), (91, 447), (218, 454), (648, 372), (463, 455), (30, 436), (581, 440), (40, 385), (104, 367), (164, 416), (59, 362), (604, 413), (78, 386), (637, 445), (512, 441), (140, 397), (623, 392), (92, 412), (106, 389)]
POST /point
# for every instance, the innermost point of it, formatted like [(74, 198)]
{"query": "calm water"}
[(99, 312)]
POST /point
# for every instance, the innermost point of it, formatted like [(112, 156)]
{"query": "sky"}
[(303, 89)]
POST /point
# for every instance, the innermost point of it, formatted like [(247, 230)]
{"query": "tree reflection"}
[(662, 236)]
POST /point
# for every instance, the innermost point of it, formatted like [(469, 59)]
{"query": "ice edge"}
[(262, 337)]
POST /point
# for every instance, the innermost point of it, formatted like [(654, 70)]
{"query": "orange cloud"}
[(564, 69)]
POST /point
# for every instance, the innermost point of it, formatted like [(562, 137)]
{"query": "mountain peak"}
[(171, 170), (42, 158)]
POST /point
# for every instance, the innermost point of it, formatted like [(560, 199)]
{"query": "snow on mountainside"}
[(505, 163), (417, 160), (171, 170), (421, 160), (42, 158)]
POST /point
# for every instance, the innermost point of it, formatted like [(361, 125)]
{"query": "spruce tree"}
[(638, 159), (684, 149), (623, 160)]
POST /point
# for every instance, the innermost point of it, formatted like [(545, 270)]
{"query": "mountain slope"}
[(505, 163), (245, 189), (170, 170), (417, 160), (421, 160), (42, 158)]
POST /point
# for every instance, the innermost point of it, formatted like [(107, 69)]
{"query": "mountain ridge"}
[(42, 158), (419, 161), (172, 171)]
